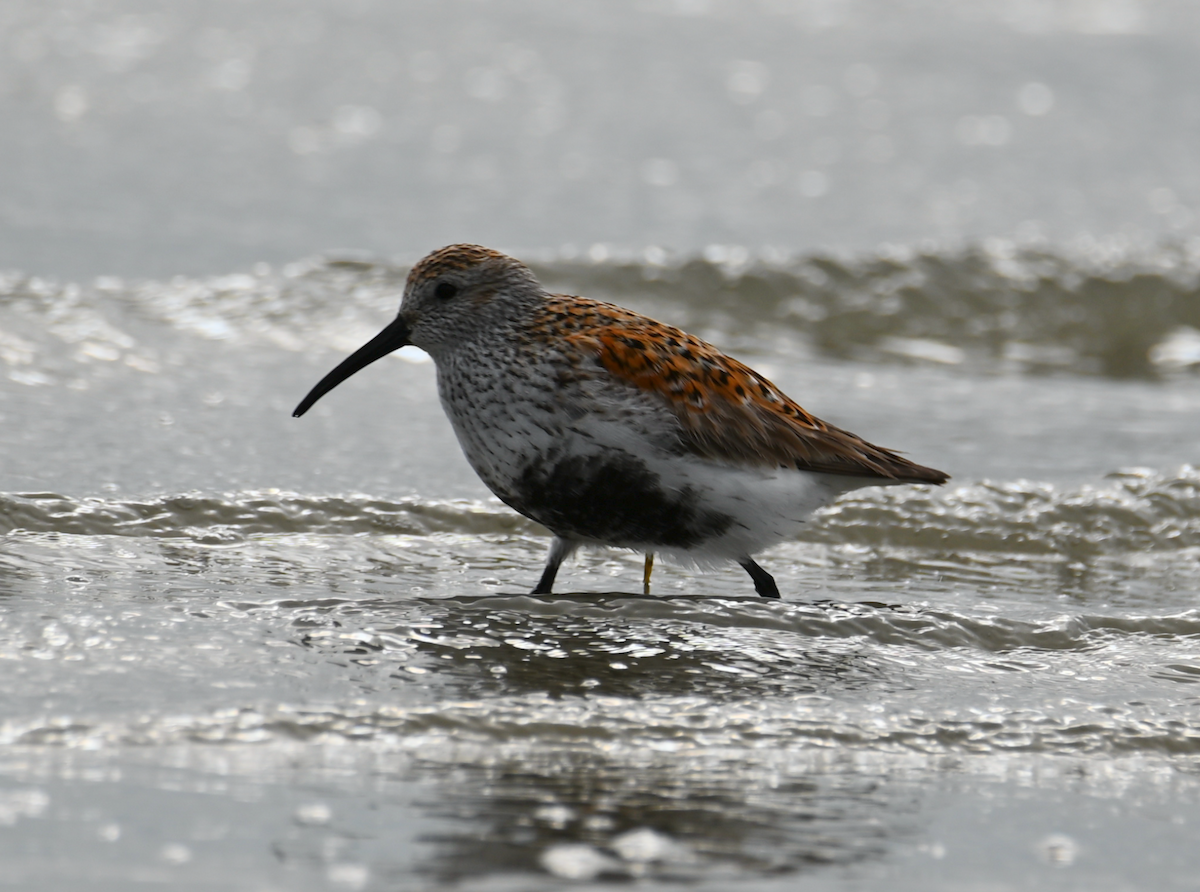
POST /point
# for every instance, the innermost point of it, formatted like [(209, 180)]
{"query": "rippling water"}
[(300, 652)]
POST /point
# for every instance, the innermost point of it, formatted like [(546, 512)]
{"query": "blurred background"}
[(155, 137)]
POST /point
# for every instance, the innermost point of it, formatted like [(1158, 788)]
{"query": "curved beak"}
[(391, 338)]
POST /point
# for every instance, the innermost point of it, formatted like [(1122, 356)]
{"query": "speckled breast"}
[(578, 459)]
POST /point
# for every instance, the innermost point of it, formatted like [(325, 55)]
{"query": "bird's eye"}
[(445, 291)]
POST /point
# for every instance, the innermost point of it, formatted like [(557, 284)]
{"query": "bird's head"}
[(452, 296)]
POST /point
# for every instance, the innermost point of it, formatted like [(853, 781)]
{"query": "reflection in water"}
[(608, 796), (647, 813), (606, 645)]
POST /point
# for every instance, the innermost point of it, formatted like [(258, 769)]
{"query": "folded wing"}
[(727, 411)]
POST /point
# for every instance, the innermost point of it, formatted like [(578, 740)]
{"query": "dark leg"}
[(764, 583), (560, 549)]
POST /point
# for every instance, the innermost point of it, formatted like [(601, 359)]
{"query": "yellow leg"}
[(646, 572)]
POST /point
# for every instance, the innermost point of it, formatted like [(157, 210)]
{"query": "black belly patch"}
[(613, 498)]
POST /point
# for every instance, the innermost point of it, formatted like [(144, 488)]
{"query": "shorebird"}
[(610, 428)]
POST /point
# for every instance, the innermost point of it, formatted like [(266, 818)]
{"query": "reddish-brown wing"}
[(728, 411)]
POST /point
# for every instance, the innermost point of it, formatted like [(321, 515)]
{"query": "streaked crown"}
[(455, 259)]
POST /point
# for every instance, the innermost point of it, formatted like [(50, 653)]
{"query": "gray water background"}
[(243, 651), (160, 138)]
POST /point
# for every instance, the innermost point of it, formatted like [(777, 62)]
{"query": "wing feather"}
[(726, 410)]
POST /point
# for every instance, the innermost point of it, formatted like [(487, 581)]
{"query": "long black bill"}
[(391, 338)]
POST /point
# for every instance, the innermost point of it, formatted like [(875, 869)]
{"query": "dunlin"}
[(610, 428)]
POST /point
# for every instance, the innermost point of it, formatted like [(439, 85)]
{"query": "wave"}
[(1129, 511), (235, 516), (1133, 510), (1110, 309), (606, 723), (1091, 309)]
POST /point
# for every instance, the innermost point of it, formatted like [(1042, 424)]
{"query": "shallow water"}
[(299, 651), (246, 651)]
